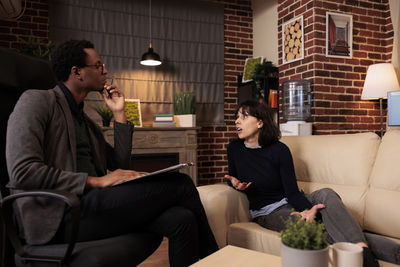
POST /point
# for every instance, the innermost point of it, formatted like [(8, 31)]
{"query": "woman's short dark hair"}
[(269, 132), (68, 55)]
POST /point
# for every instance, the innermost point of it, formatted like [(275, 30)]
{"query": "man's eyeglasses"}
[(98, 66)]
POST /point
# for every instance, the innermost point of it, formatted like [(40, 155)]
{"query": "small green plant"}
[(105, 114), (304, 235), (185, 103), (36, 47), (258, 77)]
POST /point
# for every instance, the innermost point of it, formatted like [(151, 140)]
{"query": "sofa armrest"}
[(224, 206)]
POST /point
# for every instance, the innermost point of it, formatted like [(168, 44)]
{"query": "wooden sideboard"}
[(159, 141)]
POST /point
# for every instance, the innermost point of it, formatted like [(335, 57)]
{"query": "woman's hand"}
[(309, 215), (115, 101), (237, 184), (112, 178)]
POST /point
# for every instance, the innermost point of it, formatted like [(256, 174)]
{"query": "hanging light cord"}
[(150, 22)]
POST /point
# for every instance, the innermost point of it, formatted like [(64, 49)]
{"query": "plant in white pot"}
[(303, 244), (185, 109)]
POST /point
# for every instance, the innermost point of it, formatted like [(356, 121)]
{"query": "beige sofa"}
[(364, 171)]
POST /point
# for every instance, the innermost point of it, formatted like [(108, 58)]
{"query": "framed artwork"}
[(339, 35), (133, 113), (293, 40), (249, 66)]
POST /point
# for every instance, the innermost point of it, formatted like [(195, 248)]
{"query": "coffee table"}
[(231, 256)]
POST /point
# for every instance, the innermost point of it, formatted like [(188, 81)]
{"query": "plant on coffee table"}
[(304, 235), (304, 243)]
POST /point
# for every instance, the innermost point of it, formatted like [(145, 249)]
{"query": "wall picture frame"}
[(249, 67), (293, 40), (133, 112), (339, 35)]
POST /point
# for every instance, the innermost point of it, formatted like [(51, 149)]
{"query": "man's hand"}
[(237, 184), (115, 101), (112, 178), (309, 215)]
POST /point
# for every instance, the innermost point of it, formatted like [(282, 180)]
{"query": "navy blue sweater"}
[(271, 171)]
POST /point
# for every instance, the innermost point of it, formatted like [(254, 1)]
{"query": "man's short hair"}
[(67, 55)]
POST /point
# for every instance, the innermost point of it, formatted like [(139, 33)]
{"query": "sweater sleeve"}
[(119, 156), (289, 182)]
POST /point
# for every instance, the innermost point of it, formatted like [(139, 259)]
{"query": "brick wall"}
[(338, 82), (34, 23), (212, 159)]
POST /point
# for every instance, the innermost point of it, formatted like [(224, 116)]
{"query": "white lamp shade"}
[(381, 78)]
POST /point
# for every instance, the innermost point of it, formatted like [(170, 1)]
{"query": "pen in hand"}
[(108, 92)]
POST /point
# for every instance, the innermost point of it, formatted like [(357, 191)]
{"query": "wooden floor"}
[(159, 258)]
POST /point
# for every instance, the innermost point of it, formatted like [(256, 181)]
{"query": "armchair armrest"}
[(224, 206), (71, 200)]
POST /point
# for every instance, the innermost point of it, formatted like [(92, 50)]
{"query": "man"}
[(52, 144)]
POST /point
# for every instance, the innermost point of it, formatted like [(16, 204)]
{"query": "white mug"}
[(345, 254)]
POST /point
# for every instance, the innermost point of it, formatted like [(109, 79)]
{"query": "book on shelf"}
[(164, 124), (163, 117)]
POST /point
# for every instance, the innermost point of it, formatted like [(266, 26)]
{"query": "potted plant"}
[(258, 76), (105, 114), (37, 47), (185, 109), (303, 244)]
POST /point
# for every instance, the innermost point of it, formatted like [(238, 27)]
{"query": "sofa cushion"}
[(382, 201), (345, 159)]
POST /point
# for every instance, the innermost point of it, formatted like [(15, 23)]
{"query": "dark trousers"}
[(167, 204)]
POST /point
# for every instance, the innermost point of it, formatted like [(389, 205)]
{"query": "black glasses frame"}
[(98, 66)]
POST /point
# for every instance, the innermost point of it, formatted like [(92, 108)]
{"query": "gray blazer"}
[(41, 154)]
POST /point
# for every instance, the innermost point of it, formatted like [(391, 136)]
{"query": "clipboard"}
[(169, 169)]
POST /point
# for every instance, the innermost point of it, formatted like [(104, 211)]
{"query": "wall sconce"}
[(381, 78), (150, 58)]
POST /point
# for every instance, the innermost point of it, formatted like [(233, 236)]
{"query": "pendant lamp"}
[(150, 58)]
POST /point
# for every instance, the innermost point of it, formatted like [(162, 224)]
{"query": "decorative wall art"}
[(293, 40), (339, 35), (133, 113), (249, 67)]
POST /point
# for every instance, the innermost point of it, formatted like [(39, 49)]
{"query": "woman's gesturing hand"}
[(237, 184), (309, 215)]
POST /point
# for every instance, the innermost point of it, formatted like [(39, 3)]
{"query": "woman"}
[(262, 167)]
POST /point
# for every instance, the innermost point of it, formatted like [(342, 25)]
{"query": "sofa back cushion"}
[(342, 162), (382, 212)]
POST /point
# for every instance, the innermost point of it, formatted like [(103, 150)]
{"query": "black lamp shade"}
[(150, 58)]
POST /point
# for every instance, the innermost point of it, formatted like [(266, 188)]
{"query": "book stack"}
[(164, 120)]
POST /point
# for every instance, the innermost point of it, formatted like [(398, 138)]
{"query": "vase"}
[(186, 120), (293, 257), (106, 123)]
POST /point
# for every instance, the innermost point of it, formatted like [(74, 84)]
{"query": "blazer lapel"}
[(70, 123)]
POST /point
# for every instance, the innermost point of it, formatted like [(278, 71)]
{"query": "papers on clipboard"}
[(169, 169)]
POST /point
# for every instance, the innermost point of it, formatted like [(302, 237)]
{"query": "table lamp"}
[(381, 78)]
